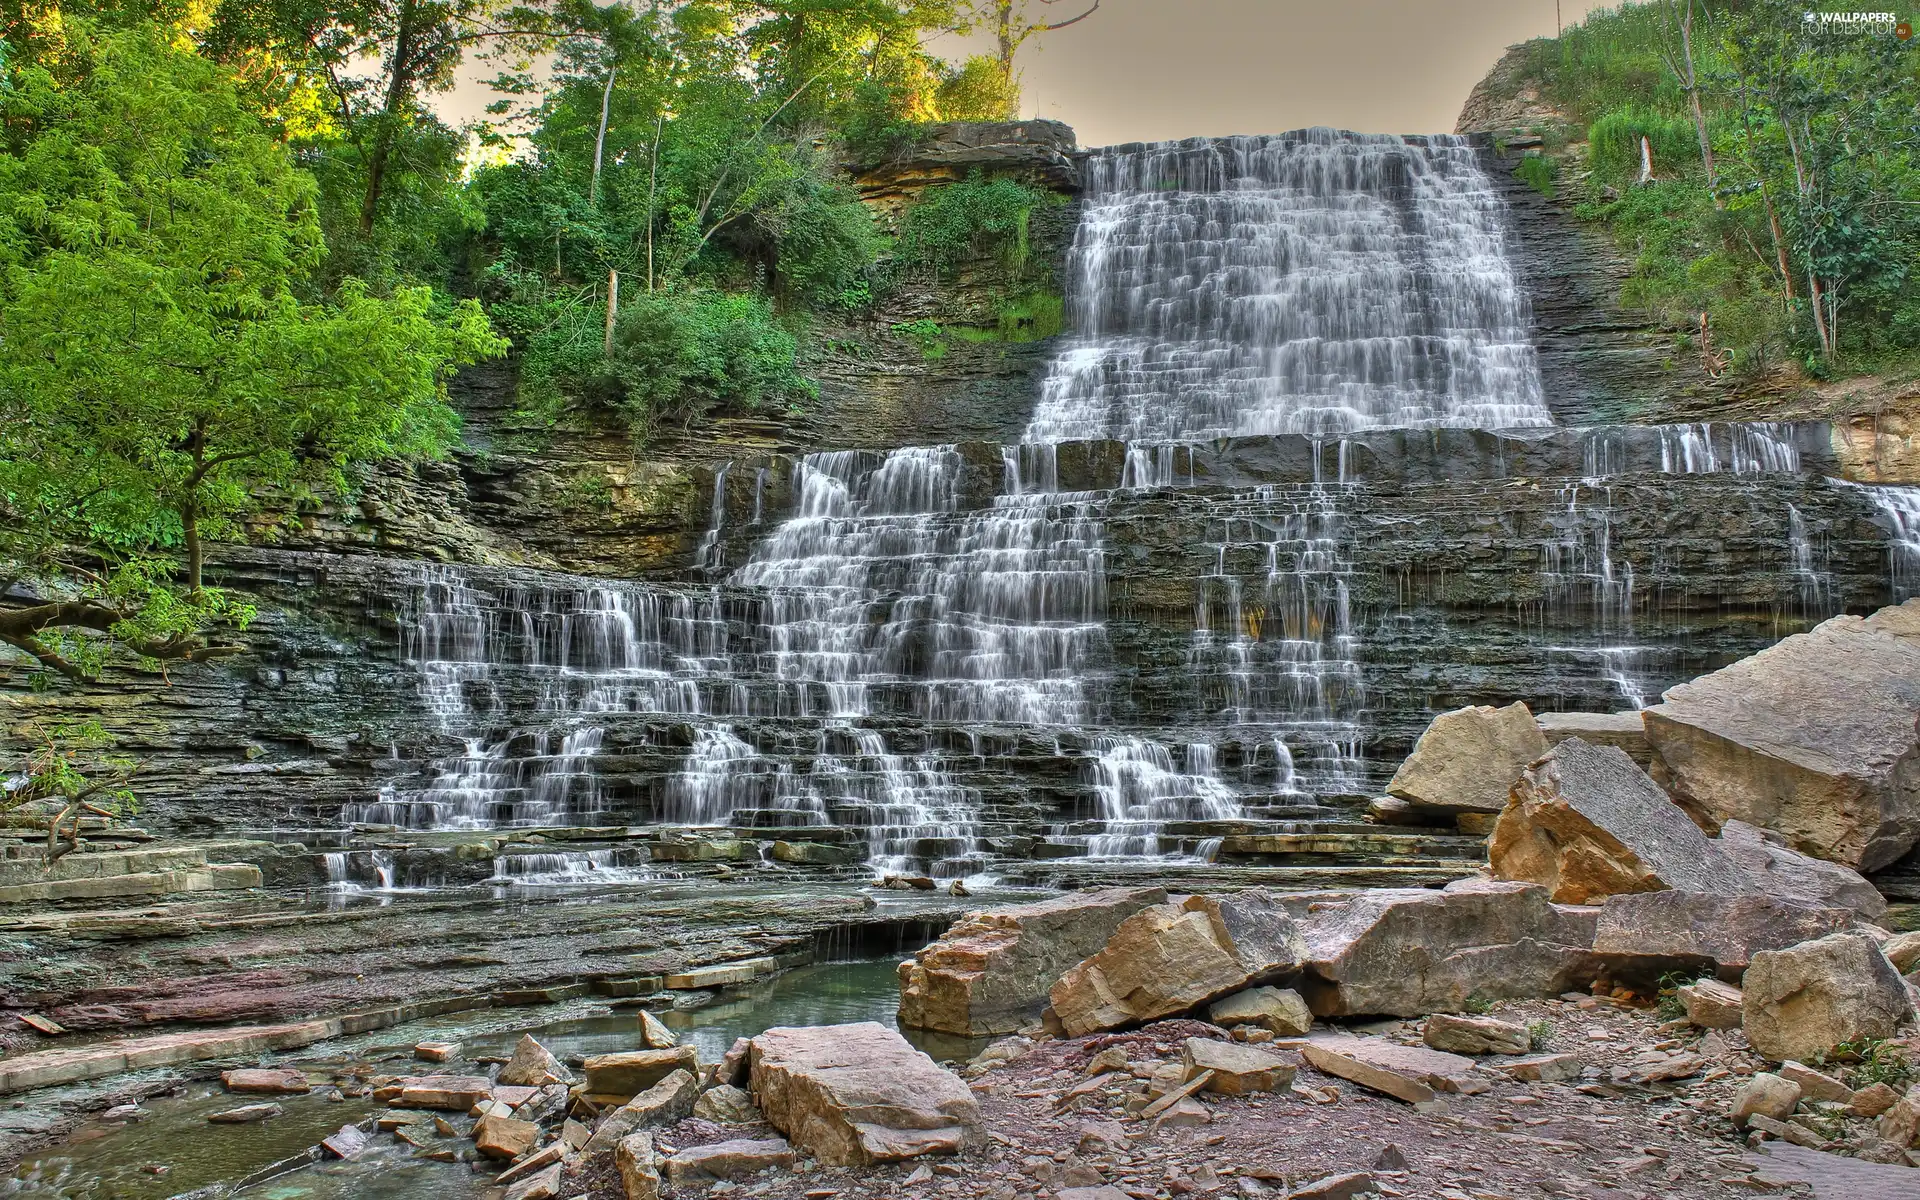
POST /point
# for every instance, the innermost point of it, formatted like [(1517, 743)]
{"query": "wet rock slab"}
[(852, 1094)]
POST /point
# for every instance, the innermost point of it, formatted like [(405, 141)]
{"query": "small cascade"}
[(571, 867), (1310, 282), (709, 554), (1812, 586), (350, 872), (1900, 514), (1578, 572), (1140, 791), (1750, 449)]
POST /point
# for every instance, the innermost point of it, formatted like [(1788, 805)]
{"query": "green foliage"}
[(926, 334), (1538, 172), (1876, 1060), (162, 360), (1667, 1001), (1478, 1005), (1614, 144), (1539, 1034), (681, 356), (979, 91), (976, 214)]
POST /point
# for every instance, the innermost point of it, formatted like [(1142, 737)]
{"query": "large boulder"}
[(989, 973), (1171, 957), (1586, 823), (1623, 729), (1467, 759), (852, 1095), (1801, 1002), (1774, 869), (1816, 737), (1694, 929), (1409, 952)]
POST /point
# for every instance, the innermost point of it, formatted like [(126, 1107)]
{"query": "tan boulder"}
[(1467, 759), (1173, 957), (655, 1035), (1475, 1035), (504, 1137), (1814, 737), (1586, 823), (852, 1095), (1800, 1002), (1723, 930), (1873, 1100), (1280, 1010), (1903, 951), (448, 1093), (1413, 951), (1236, 1069), (726, 1105), (1901, 1123), (990, 972), (739, 1159), (630, 1072), (1711, 1004), (1765, 1094), (638, 1165), (1409, 1073), (533, 1065)]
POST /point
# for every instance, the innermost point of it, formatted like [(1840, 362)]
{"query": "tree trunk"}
[(1693, 100), (613, 306), (399, 88), (600, 139), (1004, 39), (196, 554)]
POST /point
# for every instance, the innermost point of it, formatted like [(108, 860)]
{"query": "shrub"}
[(680, 356), (961, 218)]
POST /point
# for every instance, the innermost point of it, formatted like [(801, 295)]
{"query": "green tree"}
[(159, 367)]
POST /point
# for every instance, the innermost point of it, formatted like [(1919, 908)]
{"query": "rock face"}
[(990, 972), (1468, 759), (1724, 930), (1801, 1002), (1172, 957), (1411, 952), (1586, 822), (1814, 737), (1773, 869), (852, 1095)]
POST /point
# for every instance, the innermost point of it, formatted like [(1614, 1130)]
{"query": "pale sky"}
[(1150, 70)]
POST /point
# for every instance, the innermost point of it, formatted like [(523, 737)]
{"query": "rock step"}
[(1110, 872)]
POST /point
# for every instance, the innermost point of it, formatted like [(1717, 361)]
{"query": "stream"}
[(116, 1160)]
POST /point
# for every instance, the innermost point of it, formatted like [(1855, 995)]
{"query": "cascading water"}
[(1899, 509), (1313, 282)]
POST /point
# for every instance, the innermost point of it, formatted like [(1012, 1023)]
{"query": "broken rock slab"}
[(629, 1072), (666, 1102), (1816, 737), (447, 1093), (1410, 1073), (1801, 1002), (639, 1169), (989, 973), (852, 1095), (246, 1114), (1711, 1004), (1412, 951), (1172, 957), (263, 1081), (1623, 729), (741, 1158), (1586, 823), (1467, 759), (1725, 930), (1775, 869)]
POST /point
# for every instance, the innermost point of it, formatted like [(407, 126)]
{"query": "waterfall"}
[(1312, 282), (1899, 509)]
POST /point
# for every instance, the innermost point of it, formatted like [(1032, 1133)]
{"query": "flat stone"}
[(436, 1051), (1237, 1069), (1184, 1113), (1587, 823), (989, 973), (739, 1159), (1335, 1187), (1801, 1002), (246, 1114), (630, 1072), (1468, 759), (1815, 1085), (1815, 737), (543, 1184), (1280, 1010), (539, 1160), (852, 1095), (721, 974), (346, 1142), (266, 1081), (1711, 1004), (504, 1137), (1832, 1176), (1105, 1191), (1409, 1073), (1542, 1068), (1171, 957), (533, 1065), (665, 1103), (449, 1093), (1475, 1035), (513, 1097), (812, 854)]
